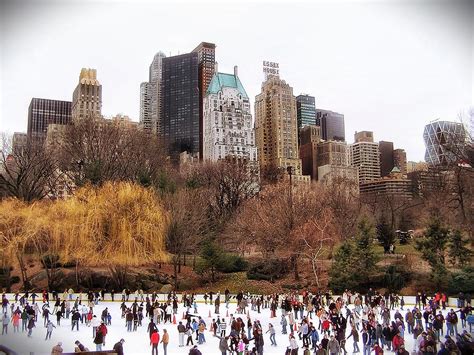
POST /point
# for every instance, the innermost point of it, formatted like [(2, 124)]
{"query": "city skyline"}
[(410, 71)]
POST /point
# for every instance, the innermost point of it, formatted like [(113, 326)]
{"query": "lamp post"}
[(289, 170)]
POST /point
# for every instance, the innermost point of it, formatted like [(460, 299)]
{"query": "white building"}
[(228, 125), (365, 156), (150, 96)]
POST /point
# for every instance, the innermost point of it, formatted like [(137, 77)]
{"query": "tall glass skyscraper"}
[(332, 125), (179, 122), (444, 141), (305, 111), (43, 112)]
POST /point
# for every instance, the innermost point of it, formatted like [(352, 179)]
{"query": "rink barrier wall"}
[(162, 297), (106, 352)]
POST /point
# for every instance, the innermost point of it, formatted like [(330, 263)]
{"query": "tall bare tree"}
[(28, 173), (188, 225)]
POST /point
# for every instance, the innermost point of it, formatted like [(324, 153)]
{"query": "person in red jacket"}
[(103, 329), (397, 342), (377, 349), (154, 340)]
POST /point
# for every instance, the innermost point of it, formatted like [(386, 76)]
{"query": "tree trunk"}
[(295, 267), (24, 274), (184, 259), (77, 274), (179, 263), (194, 262), (119, 275), (315, 270), (175, 272)]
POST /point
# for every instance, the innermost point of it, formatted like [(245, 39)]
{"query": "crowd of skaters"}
[(313, 323)]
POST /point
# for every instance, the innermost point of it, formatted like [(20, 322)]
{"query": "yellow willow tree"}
[(121, 225), (15, 235), (68, 217)]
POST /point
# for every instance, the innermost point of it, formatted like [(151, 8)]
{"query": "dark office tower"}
[(305, 111), (43, 112), (207, 59), (386, 158), (179, 124), (332, 125)]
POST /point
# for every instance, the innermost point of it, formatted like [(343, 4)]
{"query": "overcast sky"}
[(388, 66)]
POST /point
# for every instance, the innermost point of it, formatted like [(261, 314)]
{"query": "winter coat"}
[(118, 347), (57, 350), (99, 337), (155, 338)]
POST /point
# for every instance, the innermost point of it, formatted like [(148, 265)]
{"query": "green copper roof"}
[(220, 80)]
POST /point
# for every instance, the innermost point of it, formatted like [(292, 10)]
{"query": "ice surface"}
[(138, 342)]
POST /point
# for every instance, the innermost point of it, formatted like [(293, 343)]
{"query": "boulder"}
[(166, 288)]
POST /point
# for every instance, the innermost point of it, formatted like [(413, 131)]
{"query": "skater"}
[(49, 330), (98, 340), (271, 330), (154, 341), (31, 325), (57, 349), (181, 333), (118, 347), (5, 322), (165, 340), (75, 320), (79, 347)]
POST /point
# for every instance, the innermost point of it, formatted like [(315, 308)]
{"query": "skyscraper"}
[(19, 142), (386, 157), (179, 123), (43, 112), (364, 154), (400, 160), (150, 92), (87, 97), (276, 125), (150, 96), (146, 92), (309, 136), (305, 111), (228, 126), (444, 141), (332, 125), (207, 59)]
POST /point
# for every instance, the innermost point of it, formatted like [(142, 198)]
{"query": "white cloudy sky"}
[(389, 66)]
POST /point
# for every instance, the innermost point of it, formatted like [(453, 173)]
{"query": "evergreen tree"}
[(210, 256), (340, 274), (433, 249), (354, 262), (433, 244), (365, 259), (385, 234), (459, 254)]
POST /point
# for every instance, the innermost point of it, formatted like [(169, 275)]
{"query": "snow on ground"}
[(137, 343)]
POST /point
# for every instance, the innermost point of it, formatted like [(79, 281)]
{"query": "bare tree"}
[(187, 225), (94, 150), (229, 182), (317, 237), (29, 173)]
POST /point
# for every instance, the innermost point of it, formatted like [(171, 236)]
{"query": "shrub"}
[(395, 278), (50, 261), (268, 269), (462, 281), (228, 263), (14, 280)]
